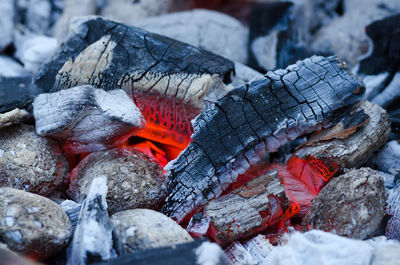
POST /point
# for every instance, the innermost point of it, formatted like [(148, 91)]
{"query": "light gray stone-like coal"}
[(317, 247), (30, 162), (92, 239), (388, 158), (141, 229), (31, 224), (352, 204), (134, 179), (355, 149), (210, 30), (86, 119)]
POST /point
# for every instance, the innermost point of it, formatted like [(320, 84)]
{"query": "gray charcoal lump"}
[(134, 180), (140, 229), (86, 119), (351, 204), (30, 162), (31, 224), (253, 119)]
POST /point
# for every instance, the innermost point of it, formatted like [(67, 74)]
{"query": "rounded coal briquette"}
[(30, 162), (134, 180), (140, 229), (31, 224)]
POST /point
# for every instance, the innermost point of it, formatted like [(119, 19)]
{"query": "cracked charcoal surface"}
[(134, 180), (31, 224), (30, 162), (283, 105), (140, 229), (351, 204)]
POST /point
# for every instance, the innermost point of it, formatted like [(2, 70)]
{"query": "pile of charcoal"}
[(199, 132)]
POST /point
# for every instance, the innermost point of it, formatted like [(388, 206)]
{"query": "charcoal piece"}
[(10, 68), (354, 149), (318, 247), (16, 92), (92, 241), (351, 204), (154, 70), (141, 229), (248, 210), (30, 162), (33, 50), (252, 120), (86, 119), (7, 16), (72, 210), (391, 93), (134, 179), (9, 257), (385, 51), (197, 252), (273, 40), (31, 224), (388, 158), (14, 116), (254, 251), (206, 29), (393, 210)]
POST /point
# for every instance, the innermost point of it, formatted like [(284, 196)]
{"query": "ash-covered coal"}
[(141, 229), (134, 180), (30, 162), (86, 119), (254, 251), (393, 211), (388, 158), (352, 204), (14, 116), (92, 240), (31, 224)]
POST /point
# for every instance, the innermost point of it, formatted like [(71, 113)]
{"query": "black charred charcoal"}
[(16, 92), (253, 119), (385, 55), (272, 29), (196, 252)]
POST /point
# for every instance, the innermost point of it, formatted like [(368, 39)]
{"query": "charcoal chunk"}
[(351, 205)]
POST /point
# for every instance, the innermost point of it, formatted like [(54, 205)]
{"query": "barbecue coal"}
[(86, 119), (251, 120), (351, 205), (92, 241), (134, 180), (393, 210), (198, 252), (254, 251), (209, 30), (30, 162), (354, 139), (14, 116), (388, 158), (7, 14), (247, 210), (141, 229), (31, 224)]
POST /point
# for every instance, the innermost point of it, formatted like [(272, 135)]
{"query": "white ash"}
[(264, 50), (374, 84), (244, 74), (93, 234), (388, 158), (140, 229), (321, 248), (30, 162), (32, 50), (134, 179), (391, 91), (72, 210), (11, 68), (85, 118), (210, 254), (13, 117), (210, 30), (7, 13), (31, 224)]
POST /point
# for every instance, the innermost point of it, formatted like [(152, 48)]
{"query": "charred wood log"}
[(254, 119), (197, 252), (347, 145), (86, 119)]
